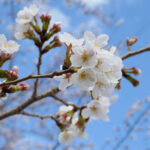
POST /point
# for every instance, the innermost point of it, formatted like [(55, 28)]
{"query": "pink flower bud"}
[(5, 56), (56, 28), (136, 71), (56, 42), (15, 69), (24, 86), (45, 18), (132, 41), (13, 73)]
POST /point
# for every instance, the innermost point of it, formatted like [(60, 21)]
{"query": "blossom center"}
[(93, 108), (66, 136), (7, 45), (82, 75), (26, 17), (96, 44), (99, 83), (98, 63), (85, 57)]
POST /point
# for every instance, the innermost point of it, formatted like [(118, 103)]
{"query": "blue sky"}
[(135, 22)]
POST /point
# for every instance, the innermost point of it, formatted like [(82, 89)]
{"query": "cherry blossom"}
[(69, 39), (97, 109), (84, 78), (65, 81), (26, 15), (84, 56), (100, 41), (21, 29), (8, 46), (102, 86), (66, 137)]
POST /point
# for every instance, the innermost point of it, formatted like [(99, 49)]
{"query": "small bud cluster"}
[(7, 48), (134, 71), (28, 27)]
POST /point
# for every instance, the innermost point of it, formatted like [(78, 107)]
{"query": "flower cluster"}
[(97, 70), (7, 48), (24, 19)]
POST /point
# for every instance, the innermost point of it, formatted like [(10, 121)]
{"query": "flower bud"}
[(131, 41), (132, 70), (56, 28), (13, 73), (4, 57), (24, 86), (136, 71), (56, 42), (45, 18), (133, 81)]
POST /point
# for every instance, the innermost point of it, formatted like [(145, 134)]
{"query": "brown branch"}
[(38, 116), (67, 104), (51, 75), (41, 117), (129, 54), (28, 102), (38, 71), (60, 100)]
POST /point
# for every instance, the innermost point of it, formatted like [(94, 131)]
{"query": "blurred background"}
[(129, 125)]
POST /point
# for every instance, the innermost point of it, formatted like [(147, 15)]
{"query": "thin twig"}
[(37, 116), (38, 71), (129, 54), (51, 75), (27, 103)]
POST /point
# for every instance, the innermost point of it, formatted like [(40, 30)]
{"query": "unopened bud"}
[(56, 28), (13, 73), (132, 41), (132, 70), (45, 18), (24, 86), (56, 42), (4, 57), (131, 79), (136, 71)]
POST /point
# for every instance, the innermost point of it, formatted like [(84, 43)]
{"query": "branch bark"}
[(28, 102), (51, 75), (130, 54)]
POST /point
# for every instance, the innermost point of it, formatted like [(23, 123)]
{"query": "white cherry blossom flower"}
[(26, 15), (84, 56), (33, 9), (65, 81), (97, 109), (8, 46), (115, 73), (66, 114), (64, 109), (66, 137), (84, 78), (100, 41), (105, 59), (69, 39), (78, 132), (21, 29), (113, 50), (102, 87)]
